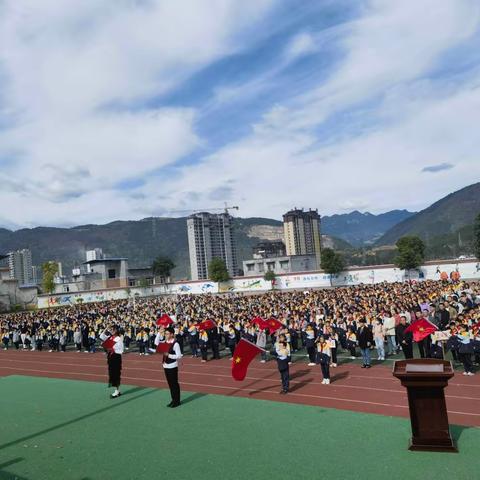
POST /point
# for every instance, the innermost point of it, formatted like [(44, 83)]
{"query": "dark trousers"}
[(204, 351), (114, 369), (333, 351), (171, 375), (311, 354), (194, 348), (424, 347), (466, 359), (215, 350), (407, 350), (325, 370), (285, 377)]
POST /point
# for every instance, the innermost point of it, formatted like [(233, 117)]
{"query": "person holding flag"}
[(171, 355), (113, 344)]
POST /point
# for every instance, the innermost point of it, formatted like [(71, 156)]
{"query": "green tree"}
[(270, 277), (49, 270), (411, 252), (217, 270), (162, 267), (331, 262), (476, 236)]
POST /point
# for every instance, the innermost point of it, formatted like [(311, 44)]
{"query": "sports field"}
[(67, 429)]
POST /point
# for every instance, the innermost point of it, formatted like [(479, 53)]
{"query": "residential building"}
[(268, 249), (20, 266), (302, 233), (211, 236), (279, 265)]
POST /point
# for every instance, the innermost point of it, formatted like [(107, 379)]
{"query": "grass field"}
[(62, 429)]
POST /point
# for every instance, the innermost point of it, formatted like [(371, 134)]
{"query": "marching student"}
[(170, 365), (323, 358), (351, 342), (203, 341), (310, 344), (465, 349), (262, 343), (193, 339), (365, 341), (282, 350), (114, 359)]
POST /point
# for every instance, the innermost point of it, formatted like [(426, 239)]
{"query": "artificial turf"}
[(71, 430)]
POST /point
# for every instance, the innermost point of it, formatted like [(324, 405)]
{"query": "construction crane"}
[(226, 208), (153, 220)]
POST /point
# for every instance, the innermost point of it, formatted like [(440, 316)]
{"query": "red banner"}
[(244, 353)]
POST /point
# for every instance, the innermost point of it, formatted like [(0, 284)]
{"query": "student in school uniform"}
[(323, 358), (282, 349), (232, 340), (332, 339), (170, 366), (365, 341), (351, 342), (214, 338), (310, 344), (262, 343), (203, 342), (193, 339), (465, 349), (114, 359)]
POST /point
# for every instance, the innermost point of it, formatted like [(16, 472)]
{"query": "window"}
[(250, 267), (111, 273), (271, 266), (284, 264), (261, 267)]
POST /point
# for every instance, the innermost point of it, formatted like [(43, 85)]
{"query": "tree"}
[(476, 236), (217, 270), (331, 262), (270, 277), (49, 270), (162, 267), (411, 252)]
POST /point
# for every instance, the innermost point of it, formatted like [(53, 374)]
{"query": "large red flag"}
[(244, 353), (109, 343), (421, 329), (207, 325), (273, 325), (164, 321), (260, 322)]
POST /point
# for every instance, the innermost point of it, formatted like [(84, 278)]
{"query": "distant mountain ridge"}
[(143, 240), (359, 228), (446, 216)]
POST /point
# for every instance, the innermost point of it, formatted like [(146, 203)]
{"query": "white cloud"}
[(73, 76)]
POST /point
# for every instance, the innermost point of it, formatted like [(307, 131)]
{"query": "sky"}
[(126, 109)]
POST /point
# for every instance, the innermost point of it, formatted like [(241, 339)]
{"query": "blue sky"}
[(124, 109)]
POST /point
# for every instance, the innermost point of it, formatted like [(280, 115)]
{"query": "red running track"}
[(371, 391)]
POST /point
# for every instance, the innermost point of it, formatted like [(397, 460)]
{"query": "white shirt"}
[(174, 356), (118, 346)]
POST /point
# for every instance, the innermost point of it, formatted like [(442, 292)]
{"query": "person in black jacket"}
[(365, 341), (404, 339)]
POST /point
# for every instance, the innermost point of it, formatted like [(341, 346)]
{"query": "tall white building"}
[(302, 233), (20, 266), (211, 236)]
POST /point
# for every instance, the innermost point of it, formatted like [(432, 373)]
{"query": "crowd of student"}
[(357, 320)]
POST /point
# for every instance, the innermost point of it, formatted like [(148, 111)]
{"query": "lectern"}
[(425, 380)]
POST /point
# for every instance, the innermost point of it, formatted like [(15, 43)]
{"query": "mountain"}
[(446, 216), (140, 241), (362, 228)]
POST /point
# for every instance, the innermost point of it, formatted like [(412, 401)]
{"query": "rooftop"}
[(105, 260)]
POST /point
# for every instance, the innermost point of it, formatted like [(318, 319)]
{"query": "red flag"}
[(244, 353), (207, 325), (164, 321), (163, 347), (273, 325), (421, 329), (262, 325), (109, 343)]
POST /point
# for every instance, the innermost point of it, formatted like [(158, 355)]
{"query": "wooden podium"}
[(425, 380)]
